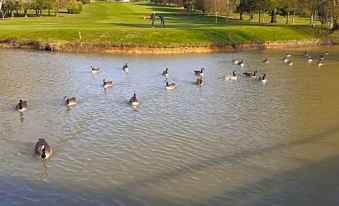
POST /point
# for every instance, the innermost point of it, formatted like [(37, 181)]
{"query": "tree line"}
[(326, 10), (13, 7)]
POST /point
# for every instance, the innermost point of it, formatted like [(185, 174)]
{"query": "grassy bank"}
[(116, 24)]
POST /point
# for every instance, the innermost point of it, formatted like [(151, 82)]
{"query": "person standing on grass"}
[(162, 21), (152, 19)]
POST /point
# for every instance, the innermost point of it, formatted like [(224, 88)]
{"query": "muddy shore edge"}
[(83, 47)]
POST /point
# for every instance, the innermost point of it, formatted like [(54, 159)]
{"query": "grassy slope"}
[(123, 24)]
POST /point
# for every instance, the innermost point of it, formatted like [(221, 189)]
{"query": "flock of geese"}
[(42, 148)]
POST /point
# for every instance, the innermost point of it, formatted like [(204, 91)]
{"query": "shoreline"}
[(80, 47)]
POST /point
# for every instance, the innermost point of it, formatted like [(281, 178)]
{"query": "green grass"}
[(107, 23)]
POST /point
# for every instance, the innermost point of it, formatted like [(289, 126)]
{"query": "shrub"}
[(74, 7), (84, 1)]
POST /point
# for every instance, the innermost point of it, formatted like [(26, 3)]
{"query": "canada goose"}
[(200, 81), (231, 77), (235, 61), (263, 79), (288, 55), (241, 63), (107, 84), (70, 101), (309, 59), (322, 57), (289, 62), (95, 70), (22, 106), (199, 72), (285, 59), (165, 72), (134, 101), (170, 86), (125, 67), (42, 149), (249, 74), (320, 62), (265, 61), (306, 55), (326, 52)]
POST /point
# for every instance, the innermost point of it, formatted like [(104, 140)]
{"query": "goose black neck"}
[(43, 155)]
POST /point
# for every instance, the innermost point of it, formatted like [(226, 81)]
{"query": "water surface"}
[(225, 143)]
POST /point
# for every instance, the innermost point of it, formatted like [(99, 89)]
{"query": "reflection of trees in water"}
[(21, 116)]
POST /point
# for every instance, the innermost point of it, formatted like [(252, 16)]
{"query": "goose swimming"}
[(70, 101), (22, 106), (42, 149), (231, 77)]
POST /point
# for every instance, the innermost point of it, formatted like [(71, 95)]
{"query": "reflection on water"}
[(22, 118), (240, 142)]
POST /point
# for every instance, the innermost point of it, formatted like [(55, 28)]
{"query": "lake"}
[(224, 143)]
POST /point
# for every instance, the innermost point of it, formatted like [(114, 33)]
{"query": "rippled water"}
[(225, 143)]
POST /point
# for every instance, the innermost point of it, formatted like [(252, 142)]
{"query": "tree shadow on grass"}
[(180, 21), (181, 14)]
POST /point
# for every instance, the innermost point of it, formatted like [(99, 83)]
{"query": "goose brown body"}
[(42, 149), (22, 106)]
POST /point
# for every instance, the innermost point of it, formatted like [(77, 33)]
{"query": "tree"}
[(272, 6), (309, 8), (10, 6), (260, 5), (188, 4), (335, 4), (199, 5), (287, 6), (3, 8), (56, 7), (26, 4), (73, 6), (231, 6), (37, 5), (48, 4), (247, 6), (328, 13)]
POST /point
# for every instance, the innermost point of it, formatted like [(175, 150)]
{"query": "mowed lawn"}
[(108, 23)]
